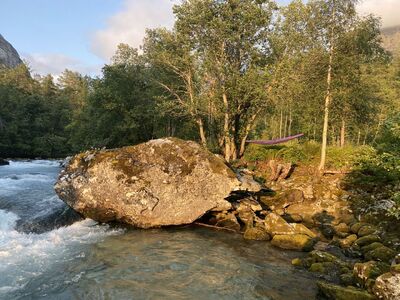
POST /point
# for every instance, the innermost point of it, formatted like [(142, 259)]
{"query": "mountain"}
[(9, 57), (391, 39)]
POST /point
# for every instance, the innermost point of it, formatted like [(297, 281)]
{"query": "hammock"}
[(276, 141)]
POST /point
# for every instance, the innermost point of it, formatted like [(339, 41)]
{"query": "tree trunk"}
[(202, 134), (342, 133), (326, 111), (358, 137), (365, 137), (249, 126), (286, 125), (227, 140), (280, 125)]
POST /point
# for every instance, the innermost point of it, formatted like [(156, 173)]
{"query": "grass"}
[(308, 153)]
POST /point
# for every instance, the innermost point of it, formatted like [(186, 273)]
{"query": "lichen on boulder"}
[(158, 183)]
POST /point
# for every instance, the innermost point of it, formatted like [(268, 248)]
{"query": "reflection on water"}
[(89, 261)]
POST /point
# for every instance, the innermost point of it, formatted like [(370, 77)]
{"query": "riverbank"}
[(356, 243)]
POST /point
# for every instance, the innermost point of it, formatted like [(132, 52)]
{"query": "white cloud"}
[(388, 10), (55, 64), (129, 25)]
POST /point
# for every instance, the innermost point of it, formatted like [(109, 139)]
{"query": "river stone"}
[(342, 227), (369, 270), (228, 221), (257, 234), (348, 241), (275, 224), (395, 269), (300, 228), (335, 292), (356, 227), (387, 286), (383, 253), (367, 230), (366, 240), (162, 182), (371, 247), (300, 242), (247, 218)]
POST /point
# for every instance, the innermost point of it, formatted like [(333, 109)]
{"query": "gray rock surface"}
[(8, 55), (387, 286), (158, 183)]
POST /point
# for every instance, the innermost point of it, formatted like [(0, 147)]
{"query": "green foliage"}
[(33, 116), (309, 152), (291, 152), (394, 211), (347, 157), (389, 139)]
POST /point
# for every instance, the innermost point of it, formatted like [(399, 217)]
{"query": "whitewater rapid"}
[(26, 193)]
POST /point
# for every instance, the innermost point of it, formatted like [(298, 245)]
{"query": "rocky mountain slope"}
[(9, 57)]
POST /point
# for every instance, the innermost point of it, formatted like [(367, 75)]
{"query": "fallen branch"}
[(336, 172), (215, 227)]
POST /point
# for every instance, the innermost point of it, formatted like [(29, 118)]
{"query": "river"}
[(86, 260)]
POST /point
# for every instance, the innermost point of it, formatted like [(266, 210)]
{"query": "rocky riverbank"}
[(174, 182)]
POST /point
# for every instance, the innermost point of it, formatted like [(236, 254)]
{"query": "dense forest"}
[(226, 72)]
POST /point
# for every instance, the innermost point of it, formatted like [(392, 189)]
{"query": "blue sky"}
[(82, 34)]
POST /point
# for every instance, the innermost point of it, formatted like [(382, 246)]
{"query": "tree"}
[(119, 108), (230, 39), (177, 71)]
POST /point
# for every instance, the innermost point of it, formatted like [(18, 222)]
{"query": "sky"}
[(82, 35)]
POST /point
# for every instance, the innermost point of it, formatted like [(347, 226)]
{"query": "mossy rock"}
[(347, 279), (395, 269), (297, 262), (327, 230), (257, 234), (322, 256), (342, 228), (363, 272), (336, 292), (356, 227), (383, 254), (366, 240), (348, 241), (323, 268), (300, 242), (367, 230), (371, 247)]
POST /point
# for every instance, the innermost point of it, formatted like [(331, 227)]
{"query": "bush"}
[(309, 153), (293, 152), (349, 156)]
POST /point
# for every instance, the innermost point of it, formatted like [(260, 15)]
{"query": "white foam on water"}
[(7, 221), (10, 184), (32, 163), (25, 256)]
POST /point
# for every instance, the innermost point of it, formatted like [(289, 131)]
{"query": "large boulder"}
[(387, 286), (158, 183)]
